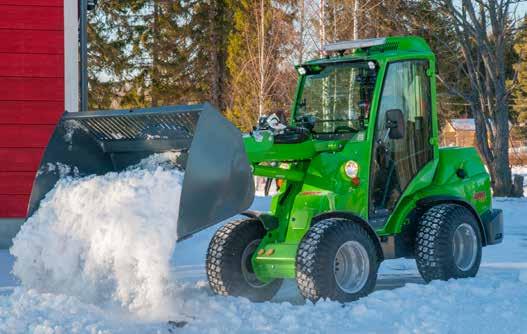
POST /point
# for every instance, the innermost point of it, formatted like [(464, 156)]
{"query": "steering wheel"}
[(307, 121), (345, 128)]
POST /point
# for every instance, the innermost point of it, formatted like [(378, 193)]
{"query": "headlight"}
[(351, 168), (301, 70)]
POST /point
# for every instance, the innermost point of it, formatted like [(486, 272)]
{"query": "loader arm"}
[(267, 157)]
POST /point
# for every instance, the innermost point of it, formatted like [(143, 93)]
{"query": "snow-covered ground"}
[(111, 268)]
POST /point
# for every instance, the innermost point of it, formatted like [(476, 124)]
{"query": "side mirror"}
[(395, 123)]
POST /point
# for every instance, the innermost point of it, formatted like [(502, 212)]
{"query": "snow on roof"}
[(468, 124), (463, 124)]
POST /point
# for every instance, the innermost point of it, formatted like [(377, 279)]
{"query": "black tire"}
[(434, 244), (226, 273), (316, 263)]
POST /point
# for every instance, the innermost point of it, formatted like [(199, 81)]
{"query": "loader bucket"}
[(218, 180)]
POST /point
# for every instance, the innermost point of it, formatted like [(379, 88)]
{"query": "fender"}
[(355, 219), (428, 202)]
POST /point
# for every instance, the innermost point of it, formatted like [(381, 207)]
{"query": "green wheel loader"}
[(363, 177)]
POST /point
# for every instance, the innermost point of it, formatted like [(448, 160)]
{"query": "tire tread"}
[(433, 243), (314, 251)]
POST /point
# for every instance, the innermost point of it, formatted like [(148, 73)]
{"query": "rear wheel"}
[(229, 262), (337, 259), (448, 243)]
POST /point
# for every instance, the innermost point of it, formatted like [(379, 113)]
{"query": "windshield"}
[(338, 98)]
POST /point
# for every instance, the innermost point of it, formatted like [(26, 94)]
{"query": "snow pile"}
[(106, 239)]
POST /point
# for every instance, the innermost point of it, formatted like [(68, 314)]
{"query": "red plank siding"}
[(20, 159), (31, 93), (14, 136), (16, 183), (13, 206), (31, 89), (31, 17), (30, 112), (31, 65), (31, 41), (55, 3)]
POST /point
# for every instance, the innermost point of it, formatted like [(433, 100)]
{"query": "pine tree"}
[(151, 52), (138, 55), (209, 26), (108, 65)]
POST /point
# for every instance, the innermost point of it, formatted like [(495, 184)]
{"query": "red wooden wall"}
[(31, 93)]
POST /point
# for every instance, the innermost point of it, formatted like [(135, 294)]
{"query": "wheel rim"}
[(351, 267), (247, 268), (465, 246)]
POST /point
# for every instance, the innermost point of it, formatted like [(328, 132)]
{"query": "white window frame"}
[(71, 56)]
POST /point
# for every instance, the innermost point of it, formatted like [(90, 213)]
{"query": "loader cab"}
[(380, 95)]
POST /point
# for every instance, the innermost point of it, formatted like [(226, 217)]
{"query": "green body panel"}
[(447, 182), (315, 181)]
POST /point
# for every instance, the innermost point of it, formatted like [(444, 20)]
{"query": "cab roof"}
[(374, 48)]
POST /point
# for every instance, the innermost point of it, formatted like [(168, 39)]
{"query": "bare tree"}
[(261, 60), (301, 30), (356, 9), (322, 24), (259, 56), (483, 30)]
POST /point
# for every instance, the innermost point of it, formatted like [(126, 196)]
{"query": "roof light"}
[(356, 44)]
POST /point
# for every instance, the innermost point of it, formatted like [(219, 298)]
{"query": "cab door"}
[(395, 162)]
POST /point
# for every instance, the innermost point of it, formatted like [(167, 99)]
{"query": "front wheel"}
[(337, 259), (448, 243), (229, 262)]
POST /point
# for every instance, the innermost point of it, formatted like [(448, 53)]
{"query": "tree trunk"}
[(301, 32), (335, 38), (482, 29), (356, 6), (502, 178), (518, 186), (215, 63), (155, 56), (496, 156), (322, 27), (261, 61)]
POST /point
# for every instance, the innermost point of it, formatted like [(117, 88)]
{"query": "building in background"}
[(459, 132), (462, 132)]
